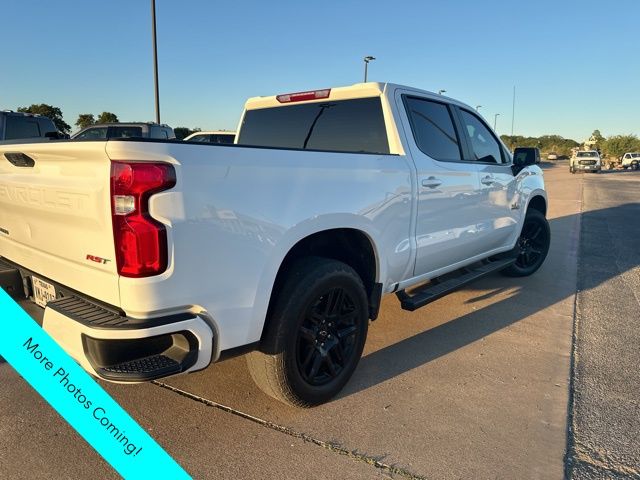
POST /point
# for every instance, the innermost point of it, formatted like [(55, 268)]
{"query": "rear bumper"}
[(112, 346)]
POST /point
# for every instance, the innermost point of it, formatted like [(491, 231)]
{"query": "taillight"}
[(302, 96), (141, 241)]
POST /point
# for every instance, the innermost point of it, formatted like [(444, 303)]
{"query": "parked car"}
[(586, 161), (16, 126), (529, 154), (552, 156), (630, 160), (165, 256), (103, 131), (216, 136)]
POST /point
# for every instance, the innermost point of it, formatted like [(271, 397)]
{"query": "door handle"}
[(488, 180), (431, 182)]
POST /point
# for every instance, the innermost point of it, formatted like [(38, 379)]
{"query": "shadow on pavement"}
[(532, 295)]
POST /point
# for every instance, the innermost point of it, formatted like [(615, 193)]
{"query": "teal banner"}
[(80, 400)]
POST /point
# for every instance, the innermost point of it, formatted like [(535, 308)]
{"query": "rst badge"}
[(93, 258)]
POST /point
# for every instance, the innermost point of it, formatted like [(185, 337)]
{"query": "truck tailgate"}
[(55, 214)]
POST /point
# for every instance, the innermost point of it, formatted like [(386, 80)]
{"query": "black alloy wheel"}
[(315, 333), (532, 246), (327, 337)]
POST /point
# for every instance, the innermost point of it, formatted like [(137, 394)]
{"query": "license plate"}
[(43, 291)]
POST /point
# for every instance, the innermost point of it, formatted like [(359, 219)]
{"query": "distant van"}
[(25, 126)]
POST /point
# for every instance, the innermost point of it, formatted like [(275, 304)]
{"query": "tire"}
[(316, 333), (532, 246)]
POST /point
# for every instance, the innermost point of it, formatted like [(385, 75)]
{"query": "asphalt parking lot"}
[(480, 384)]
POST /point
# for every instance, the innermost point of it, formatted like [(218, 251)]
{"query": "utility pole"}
[(155, 58), (367, 59), (513, 109), (495, 119)]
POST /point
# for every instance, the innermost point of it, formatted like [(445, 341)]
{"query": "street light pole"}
[(367, 59), (155, 58), (440, 92), (495, 118), (478, 107), (513, 110)]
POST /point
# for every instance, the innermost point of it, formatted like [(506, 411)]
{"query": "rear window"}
[(19, 126), (344, 126)]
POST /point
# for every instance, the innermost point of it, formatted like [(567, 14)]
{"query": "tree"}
[(618, 145), (599, 140), (183, 132), (107, 117), (84, 120), (54, 113), (546, 143)]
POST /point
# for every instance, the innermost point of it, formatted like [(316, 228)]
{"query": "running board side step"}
[(436, 290)]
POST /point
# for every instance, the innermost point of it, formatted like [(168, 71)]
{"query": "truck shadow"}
[(550, 285)]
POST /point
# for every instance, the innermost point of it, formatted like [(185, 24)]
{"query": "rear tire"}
[(532, 246), (316, 333)]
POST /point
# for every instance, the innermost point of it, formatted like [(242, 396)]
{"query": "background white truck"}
[(630, 160), (156, 257), (585, 161)]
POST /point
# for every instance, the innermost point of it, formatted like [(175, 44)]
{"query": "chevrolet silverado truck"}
[(152, 258)]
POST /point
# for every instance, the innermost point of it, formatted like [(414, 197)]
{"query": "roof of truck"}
[(357, 90)]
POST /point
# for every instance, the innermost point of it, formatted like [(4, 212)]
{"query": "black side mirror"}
[(522, 160)]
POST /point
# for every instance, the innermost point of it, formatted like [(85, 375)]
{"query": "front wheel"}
[(532, 246), (316, 333)]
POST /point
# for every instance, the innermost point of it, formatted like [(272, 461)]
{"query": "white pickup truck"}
[(158, 257)]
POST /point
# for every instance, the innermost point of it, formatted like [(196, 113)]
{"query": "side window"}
[(484, 146), (433, 128), (157, 132), (19, 126), (47, 126), (125, 132), (99, 133), (222, 138)]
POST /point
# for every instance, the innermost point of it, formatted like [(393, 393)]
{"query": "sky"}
[(575, 64)]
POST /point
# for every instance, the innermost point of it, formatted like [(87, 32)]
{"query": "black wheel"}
[(315, 336), (532, 245)]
